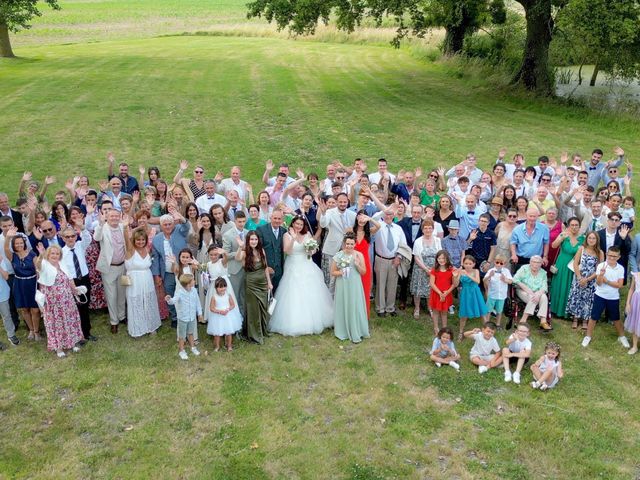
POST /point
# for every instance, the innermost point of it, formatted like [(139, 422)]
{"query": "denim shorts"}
[(186, 328)]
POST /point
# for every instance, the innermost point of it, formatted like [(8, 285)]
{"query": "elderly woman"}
[(531, 287)]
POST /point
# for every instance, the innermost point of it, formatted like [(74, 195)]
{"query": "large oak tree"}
[(17, 15)]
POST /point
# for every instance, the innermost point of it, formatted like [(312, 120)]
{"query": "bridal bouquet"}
[(310, 246), (344, 264)]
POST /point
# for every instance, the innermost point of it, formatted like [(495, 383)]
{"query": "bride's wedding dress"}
[(304, 305)]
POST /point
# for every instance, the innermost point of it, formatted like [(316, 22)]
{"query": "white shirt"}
[(204, 203), (498, 288), (375, 177), (167, 251), (66, 263), (517, 346), (611, 274), (482, 346), (381, 240), (419, 245), (611, 237), (187, 304), (228, 184)]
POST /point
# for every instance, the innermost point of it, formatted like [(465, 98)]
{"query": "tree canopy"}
[(16, 15)]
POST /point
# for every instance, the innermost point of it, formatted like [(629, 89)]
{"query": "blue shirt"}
[(4, 290), (187, 304), (528, 246), (468, 220), (595, 174), (456, 247)]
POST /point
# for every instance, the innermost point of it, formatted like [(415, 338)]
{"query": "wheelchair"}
[(514, 306)]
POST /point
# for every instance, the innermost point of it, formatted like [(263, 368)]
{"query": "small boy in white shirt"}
[(496, 284), (628, 211), (518, 351), (188, 310), (482, 353)]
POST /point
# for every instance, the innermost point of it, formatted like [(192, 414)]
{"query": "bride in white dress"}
[(304, 305)]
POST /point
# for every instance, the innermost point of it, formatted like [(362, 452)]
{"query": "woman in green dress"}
[(350, 308), (257, 287), (569, 242)]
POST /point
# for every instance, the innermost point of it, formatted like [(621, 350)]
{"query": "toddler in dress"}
[(225, 318), (547, 371)]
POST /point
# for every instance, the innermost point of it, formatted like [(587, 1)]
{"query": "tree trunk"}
[(5, 42), (594, 75), (580, 74), (534, 70), (454, 39)]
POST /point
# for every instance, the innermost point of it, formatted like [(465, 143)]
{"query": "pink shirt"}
[(117, 240)]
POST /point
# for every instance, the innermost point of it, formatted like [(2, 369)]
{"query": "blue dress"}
[(472, 303), (24, 282)]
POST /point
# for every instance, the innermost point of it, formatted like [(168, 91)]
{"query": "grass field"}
[(306, 407)]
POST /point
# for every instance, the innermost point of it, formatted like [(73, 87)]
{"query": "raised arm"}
[(267, 172), (177, 179), (111, 158)]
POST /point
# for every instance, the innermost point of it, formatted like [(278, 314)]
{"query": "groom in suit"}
[(337, 221), (271, 238), (230, 245)]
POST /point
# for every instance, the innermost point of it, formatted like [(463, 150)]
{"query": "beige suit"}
[(114, 292), (235, 268), (336, 223)]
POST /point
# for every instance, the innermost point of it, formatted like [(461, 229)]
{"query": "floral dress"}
[(61, 317), (581, 299), (97, 299), (420, 280)]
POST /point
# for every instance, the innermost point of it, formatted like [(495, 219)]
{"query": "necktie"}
[(242, 235), (234, 211), (593, 224), (76, 264), (211, 198), (390, 244), (275, 233)]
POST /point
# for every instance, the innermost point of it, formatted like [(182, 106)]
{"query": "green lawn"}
[(306, 407)]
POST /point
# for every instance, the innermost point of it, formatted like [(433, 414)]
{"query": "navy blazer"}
[(406, 224), (177, 240), (625, 248)]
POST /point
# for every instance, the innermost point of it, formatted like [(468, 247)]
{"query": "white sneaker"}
[(61, 354), (516, 378), (625, 343), (452, 310), (75, 349), (586, 341), (183, 355), (482, 369), (438, 364), (507, 375), (455, 365), (195, 351), (535, 384)]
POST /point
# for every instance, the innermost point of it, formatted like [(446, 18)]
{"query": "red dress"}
[(363, 248), (553, 252), (444, 280)]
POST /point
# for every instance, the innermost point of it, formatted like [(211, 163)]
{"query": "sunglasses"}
[(433, 176), (614, 219), (47, 229), (545, 179), (499, 263), (512, 216), (198, 171)]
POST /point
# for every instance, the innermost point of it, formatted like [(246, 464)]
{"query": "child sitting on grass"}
[(482, 353), (188, 309), (443, 349), (547, 371), (496, 284), (518, 351)]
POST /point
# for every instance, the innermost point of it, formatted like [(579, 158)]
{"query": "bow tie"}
[(592, 168), (415, 223), (471, 212), (211, 198)]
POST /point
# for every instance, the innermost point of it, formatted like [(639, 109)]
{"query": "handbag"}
[(125, 280), (81, 295), (553, 269), (272, 304), (41, 300), (570, 266)]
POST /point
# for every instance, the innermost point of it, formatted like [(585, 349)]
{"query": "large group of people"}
[(308, 253)]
